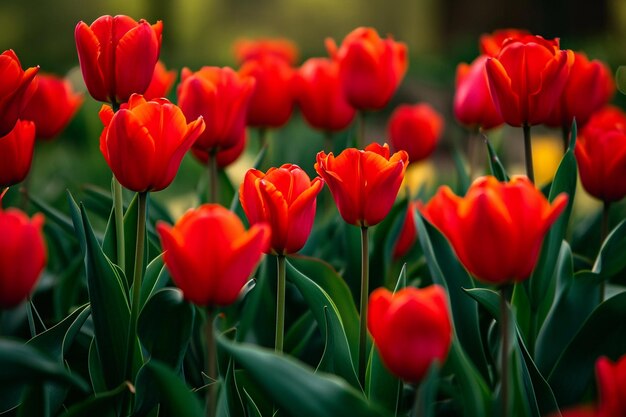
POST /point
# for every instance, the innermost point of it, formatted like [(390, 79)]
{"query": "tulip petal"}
[(505, 100), (136, 55), (89, 56)]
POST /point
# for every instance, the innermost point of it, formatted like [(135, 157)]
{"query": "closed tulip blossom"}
[(364, 184), (371, 68), (527, 77), (320, 96), (117, 56), (52, 105), (411, 329), (497, 229), (601, 154), (285, 198), (490, 44), (161, 83), (22, 255), (221, 97), (210, 255), (611, 382), (16, 89), (17, 149), (473, 105), (251, 49), (224, 157), (415, 129), (144, 142), (589, 87), (408, 233)]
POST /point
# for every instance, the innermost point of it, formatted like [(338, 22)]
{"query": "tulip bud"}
[(415, 129)]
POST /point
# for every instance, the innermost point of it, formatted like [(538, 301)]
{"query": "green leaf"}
[(298, 338), (155, 278), (156, 379), (427, 392), (463, 177), (497, 169), (230, 403), (382, 386), (386, 235), (165, 327), (35, 402), (296, 388), (620, 79), (54, 215), (611, 259), (104, 404)]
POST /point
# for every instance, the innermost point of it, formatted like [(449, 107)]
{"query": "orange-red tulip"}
[(589, 87), (224, 157), (601, 154), (16, 88), (408, 233), (17, 149), (221, 97), (497, 229), (411, 329), (370, 68), (52, 106), (145, 141), (527, 78), (161, 83), (117, 56), (22, 255), (285, 198), (473, 105), (611, 382), (273, 97), (364, 184), (415, 129), (319, 94), (210, 255), (490, 44), (250, 49)]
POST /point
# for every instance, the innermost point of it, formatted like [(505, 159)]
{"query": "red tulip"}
[(161, 83), (210, 255), (473, 105), (364, 184), (497, 229), (320, 95), (611, 382), (52, 106), (117, 56), (415, 129), (411, 329), (273, 97), (22, 255), (490, 44), (601, 154), (17, 149), (145, 141), (527, 78), (408, 233), (224, 157), (370, 68), (16, 88), (589, 87), (285, 198), (221, 97), (251, 49)]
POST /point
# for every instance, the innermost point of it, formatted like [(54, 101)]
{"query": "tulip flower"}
[(497, 229), (17, 149), (411, 329), (601, 154), (408, 233), (210, 255), (22, 255), (589, 87), (611, 382), (320, 96), (251, 49), (117, 56), (223, 158), (273, 97), (490, 44), (161, 83), (52, 105), (16, 88), (145, 141), (221, 97), (370, 68), (364, 184), (415, 129), (285, 198), (473, 105)]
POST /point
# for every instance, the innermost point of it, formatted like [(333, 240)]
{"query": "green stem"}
[(360, 139), (504, 357), (137, 278), (328, 141), (363, 304), (471, 152), (528, 151), (565, 132), (213, 177), (280, 303), (604, 232), (211, 366), (119, 223)]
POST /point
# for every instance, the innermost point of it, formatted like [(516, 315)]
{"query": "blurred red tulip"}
[(16, 88), (145, 141), (161, 83), (224, 157), (408, 233), (611, 382), (415, 129), (250, 49), (490, 44), (210, 255), (17, 149)]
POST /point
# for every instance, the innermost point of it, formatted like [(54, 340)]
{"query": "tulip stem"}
[(360, 139), (137, 278), (280, 303), (471, 152), (211, 365), (604, 232), (328, 141), (528, 150), (504, 358), (119, 223), (363, 309), (213, 177)]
